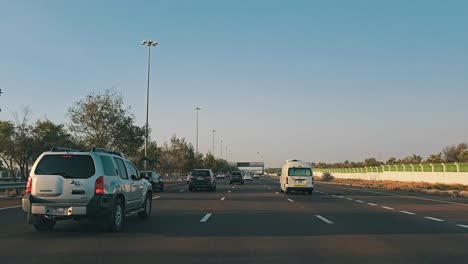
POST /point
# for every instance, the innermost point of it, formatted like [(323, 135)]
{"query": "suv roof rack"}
[(62, 149), (108, 151)]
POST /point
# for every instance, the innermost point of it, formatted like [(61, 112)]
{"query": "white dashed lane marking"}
[(205, 218), (324, 219), (359, 201), (182, 191), (373, 204), (222, 199), (406, 212), (434, 219), (157, 197), (290, 200), (465, 226), (388, 208)]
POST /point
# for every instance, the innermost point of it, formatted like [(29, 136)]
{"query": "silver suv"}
[(70, 184)]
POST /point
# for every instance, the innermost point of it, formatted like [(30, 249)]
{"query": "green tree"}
[(7, 145), (102, 120), (456, 153), (434, 158)]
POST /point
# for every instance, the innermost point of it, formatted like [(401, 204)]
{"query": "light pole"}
[(226, 153), (213, 141), (221, 149), (149, 44), (196, 145)]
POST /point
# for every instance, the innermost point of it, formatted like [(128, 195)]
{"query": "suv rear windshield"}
[(67, 166), (300, 172), (236, 174), (201, 173)]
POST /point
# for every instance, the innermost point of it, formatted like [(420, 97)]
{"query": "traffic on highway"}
[(233, 132)]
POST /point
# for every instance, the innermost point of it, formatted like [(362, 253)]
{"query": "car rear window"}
[(67, 166), (238, 174), (300, 172), (109, 168), (201, 173)]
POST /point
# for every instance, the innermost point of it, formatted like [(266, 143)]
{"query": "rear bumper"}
[(300, 189), (97, 206), (201, 184)]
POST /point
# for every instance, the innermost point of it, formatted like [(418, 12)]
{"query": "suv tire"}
[(44, 224), (146, 207), (117, 217)]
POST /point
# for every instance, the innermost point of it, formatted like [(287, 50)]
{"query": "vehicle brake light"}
[(99, 185), (28, 185), (286, 180), (66, 156)]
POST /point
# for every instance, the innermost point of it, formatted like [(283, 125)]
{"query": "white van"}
[(297, 175)]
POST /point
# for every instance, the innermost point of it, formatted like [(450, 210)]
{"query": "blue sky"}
[(314, 80)]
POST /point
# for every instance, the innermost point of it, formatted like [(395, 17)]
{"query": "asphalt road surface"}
[(254, 223)]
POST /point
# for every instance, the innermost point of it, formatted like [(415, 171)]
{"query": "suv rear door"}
[(64, 177), (126, 182), (137, 185)]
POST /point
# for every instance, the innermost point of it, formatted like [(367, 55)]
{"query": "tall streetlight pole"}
[(226, 153), (213, 141), (149, 44), (196, 145), (221, 149)]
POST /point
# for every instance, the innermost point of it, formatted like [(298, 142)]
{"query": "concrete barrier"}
[(428, 177)]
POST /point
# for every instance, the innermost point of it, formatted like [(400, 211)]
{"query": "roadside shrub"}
[(327, 176)]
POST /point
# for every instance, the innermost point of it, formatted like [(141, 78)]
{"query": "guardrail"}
[(8, 186), (429, 167)]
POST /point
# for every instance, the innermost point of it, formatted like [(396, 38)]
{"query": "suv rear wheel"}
[(146, 207), (44, 224), (117, 216)]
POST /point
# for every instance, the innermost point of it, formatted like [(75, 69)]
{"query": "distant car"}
[(256, 176), (202, 179), (155, 179), (236, 176), (220, 176), (247, 177)]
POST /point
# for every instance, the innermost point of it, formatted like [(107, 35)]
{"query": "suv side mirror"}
[(134, 177)]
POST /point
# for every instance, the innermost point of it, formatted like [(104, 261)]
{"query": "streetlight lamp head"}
[(154, 43)]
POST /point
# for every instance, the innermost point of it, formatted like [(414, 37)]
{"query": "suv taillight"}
[(28, 185), (286, 180), (99, 185)]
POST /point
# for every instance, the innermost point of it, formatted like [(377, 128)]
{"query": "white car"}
[(70, 184), (297, 176), (220, 176), (247, 177)]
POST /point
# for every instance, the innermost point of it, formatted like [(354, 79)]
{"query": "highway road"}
[(253, 223)]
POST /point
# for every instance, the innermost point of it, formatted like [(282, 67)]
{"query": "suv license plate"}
[(57, 211), (200, 178)]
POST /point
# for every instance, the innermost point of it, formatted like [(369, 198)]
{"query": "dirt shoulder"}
[(447, 190)]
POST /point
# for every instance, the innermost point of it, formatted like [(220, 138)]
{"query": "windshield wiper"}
[(63, 174)]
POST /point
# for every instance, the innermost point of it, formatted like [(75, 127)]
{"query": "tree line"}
[(449, 154), (100, 119)]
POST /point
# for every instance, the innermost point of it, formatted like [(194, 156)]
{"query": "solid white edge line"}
[(388, 208), (465, 226), (291, 200), (222, 199), (434, 219), (205, 218), (324, 219), (406, 212), (373, 204), (10, 207)]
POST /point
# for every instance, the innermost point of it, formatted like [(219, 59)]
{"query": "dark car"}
[(202, 179), (237, 176), (155, 179)]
